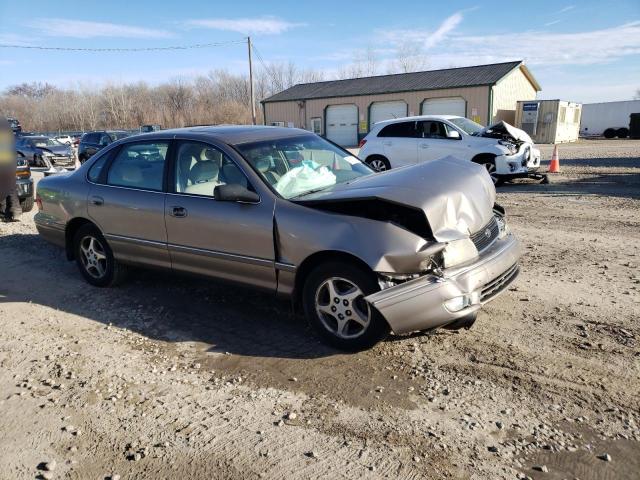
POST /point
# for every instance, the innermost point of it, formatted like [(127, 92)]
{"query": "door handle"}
[(386, 144), (178, 212), (97, 200), (424, 145)]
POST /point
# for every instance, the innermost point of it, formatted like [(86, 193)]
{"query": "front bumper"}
[(420, 304), (24, 186), (518, 165)]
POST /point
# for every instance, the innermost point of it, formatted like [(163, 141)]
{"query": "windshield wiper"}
[(315, 190)]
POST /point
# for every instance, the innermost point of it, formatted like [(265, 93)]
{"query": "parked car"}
[(24, 184), (91, 142), (66, 139), (150, 128), (46, 152), (505, 151), (284, 210), (15, 125)]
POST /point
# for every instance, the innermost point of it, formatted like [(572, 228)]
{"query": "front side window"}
[(431, 129), (400, 129), (300, 165), (139, 165), (200, 168)]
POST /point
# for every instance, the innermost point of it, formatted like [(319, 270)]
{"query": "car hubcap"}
[(491, 169), (378, 165), (341, 306), (93, 257)]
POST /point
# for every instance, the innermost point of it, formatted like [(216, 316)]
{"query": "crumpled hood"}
[(504, 128), (57, 150), (457, 196)]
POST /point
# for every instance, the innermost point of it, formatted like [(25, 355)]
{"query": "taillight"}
[(39, 203), (362, 142)]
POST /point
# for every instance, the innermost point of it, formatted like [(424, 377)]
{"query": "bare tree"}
[(218, 97), (365, 64), (637, 95), (408, 58)]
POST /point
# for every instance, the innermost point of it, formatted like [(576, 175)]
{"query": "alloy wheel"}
[(491, 169), (378, 165), (341, 306), (93, 257)]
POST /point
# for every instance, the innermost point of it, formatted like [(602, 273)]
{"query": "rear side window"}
[(401, 129), (90, 138), (96, 168), (139, 165)]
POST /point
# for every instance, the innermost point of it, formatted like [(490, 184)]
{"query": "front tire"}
[(95, 258), (334, 304)]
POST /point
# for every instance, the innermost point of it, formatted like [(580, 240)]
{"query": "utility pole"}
[(253, 100)]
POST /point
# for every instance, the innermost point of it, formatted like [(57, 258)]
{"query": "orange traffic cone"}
[(554, 166)]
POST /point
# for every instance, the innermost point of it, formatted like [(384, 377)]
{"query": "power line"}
[(114, 49), (264, 65)]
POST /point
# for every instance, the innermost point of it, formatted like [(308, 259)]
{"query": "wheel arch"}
[(70, 231), (318, 258), (480, 157)]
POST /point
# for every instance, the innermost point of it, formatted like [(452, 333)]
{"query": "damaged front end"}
[(434, 236)]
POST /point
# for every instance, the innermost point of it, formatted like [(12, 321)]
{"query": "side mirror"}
[(453, 134), (235, 193)]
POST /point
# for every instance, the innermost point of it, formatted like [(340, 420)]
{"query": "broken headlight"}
[(512, 147), (502, 227)]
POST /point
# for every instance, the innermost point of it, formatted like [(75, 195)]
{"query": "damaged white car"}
[(505, 151)]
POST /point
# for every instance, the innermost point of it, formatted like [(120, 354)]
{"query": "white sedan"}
[(505, 151)]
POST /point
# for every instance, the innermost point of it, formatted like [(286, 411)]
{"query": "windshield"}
[(297, 166), (41, 142), (466, 125)]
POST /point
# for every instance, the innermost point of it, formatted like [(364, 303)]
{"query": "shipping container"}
[(549, 121)]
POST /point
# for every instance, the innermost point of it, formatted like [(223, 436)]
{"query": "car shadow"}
[(159, 305), (611, 185)]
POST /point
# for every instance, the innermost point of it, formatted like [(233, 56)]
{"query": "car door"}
[(222, 239), (436, 141), (400, 143), (126, 201)]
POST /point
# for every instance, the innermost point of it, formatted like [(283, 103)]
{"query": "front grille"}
[(484, 237), (497, 285)]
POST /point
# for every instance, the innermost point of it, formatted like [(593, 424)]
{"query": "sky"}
[(583, 51)]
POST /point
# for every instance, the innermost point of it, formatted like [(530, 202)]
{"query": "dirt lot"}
[(177, 378)]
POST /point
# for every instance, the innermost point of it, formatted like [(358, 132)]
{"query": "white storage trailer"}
[(610, 119)]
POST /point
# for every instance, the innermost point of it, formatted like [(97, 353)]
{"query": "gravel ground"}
[(169, 377)]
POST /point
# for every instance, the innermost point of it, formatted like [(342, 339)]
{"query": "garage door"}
[(445, 106), (386, 110), (342, 124)]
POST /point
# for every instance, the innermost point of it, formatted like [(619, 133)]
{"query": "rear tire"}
[(609, 133), (95, 258), (335, 290), (622, 132), (378, 163)]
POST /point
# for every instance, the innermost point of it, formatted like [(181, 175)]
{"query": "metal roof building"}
[(344, 110)]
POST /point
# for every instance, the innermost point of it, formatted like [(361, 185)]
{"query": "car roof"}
[(417, 117), (230, 134)]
